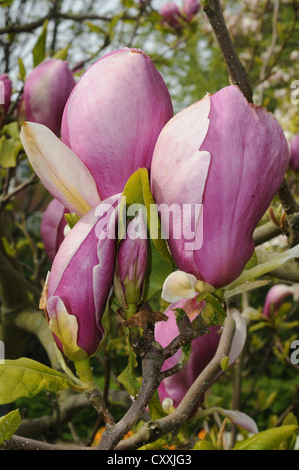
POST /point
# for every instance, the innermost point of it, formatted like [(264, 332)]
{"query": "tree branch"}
[(237, 73), (151, 367), (152, 430)]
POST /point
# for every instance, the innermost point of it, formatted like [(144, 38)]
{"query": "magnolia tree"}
[(143, 287)]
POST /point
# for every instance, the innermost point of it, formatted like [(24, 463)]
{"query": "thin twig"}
[(33, 179), (270, 50), (236, 70)]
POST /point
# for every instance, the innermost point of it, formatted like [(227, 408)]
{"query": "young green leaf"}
[(26, 378), (267, 440), (128, 377), (39, 50), (8, 425)]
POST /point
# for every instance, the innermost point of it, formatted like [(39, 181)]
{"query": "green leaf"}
[(224, 363), (8, 248), (218, 315), (9, 151), (39, 50), (290, 443), (62, 53), (6, 3), (22, 69), (267, 440), (26, 378), (155, 408), (252, 262), (204, 445), (247, 286), (94, 28), (128, 377), (137, 195), (153, 216), (71, 219), (8, 425), (158, 269)]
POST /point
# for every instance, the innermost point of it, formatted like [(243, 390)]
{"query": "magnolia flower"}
[(80, 282), (203, 349), (131, 263), (171, 14), (229, 157), (275, 298), (53, 226), (61, 171), (114, 116), (110, 126), (190, 8), (294, 153), (5, 94), (46, 91)]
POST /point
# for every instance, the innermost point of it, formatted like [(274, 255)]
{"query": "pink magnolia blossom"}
[(171, 14), (230, 157), (114, 116), (5, 95), (46, 91), (52, 227), (203, 349), (109, 129), (190, 8), (275, 298), (80, 282), (131, 263)]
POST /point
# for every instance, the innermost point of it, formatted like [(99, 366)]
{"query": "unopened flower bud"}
[(52, 227), (5, 94), (46, 91), (80, 283), (190, 8), (132, 263), (114, 116), (171, 15), (275, 298)]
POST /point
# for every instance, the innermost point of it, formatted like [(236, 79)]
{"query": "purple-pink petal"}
[(203, 350), (275, 298), (82, 276), (249, 158), (52, 227), (46, 91), (5, 92), (190, 8), (114, 116)]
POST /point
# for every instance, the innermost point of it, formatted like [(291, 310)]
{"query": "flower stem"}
[(84, 371), (131, 310), (93, 392)]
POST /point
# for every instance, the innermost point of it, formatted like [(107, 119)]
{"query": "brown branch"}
[(152, 430), (236, 70), (151, 367), (30, 181), (23, 443), (265, 232), (56, 15)]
